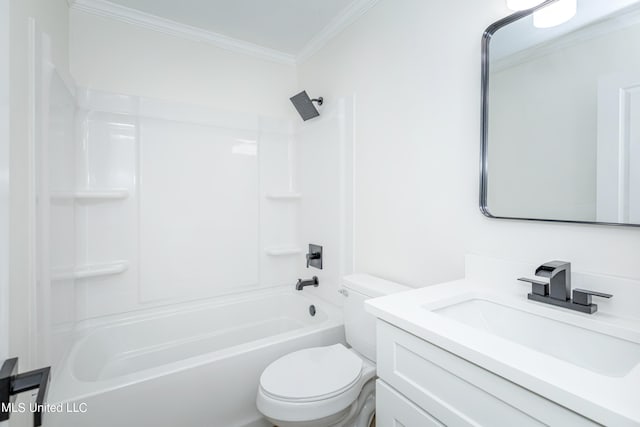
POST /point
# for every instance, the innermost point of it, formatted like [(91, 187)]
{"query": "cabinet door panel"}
[(457, 392), (394, 410)]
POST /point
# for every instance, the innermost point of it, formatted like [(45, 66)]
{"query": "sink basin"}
[(598, 352)]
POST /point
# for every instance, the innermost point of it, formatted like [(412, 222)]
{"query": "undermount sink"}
[(598, 352)]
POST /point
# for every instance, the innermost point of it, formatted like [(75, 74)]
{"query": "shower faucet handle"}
[(311, 256), (314, 256)]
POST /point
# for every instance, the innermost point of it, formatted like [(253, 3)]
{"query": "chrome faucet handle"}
[(311, 256), (537, 287), (583, 296), (314, 256)]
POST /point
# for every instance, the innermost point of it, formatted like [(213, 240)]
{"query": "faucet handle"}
[(583, 296), (314, 256), (537, 287), (311, 256)]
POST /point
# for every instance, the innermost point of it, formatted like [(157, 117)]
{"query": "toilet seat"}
[(313, 383), (312, 374)]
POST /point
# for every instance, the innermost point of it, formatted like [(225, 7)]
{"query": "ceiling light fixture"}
[(522, 4), (555, 14)]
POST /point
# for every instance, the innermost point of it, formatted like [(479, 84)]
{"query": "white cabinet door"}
[(394, 410), (618, 168), (457, 392)]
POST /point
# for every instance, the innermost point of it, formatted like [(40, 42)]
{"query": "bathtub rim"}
[(65, 387)]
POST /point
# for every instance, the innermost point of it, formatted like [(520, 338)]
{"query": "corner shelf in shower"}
[(283, 251), (99, 270), (284, 196), (93, 195)]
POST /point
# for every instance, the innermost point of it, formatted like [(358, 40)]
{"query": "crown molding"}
[(135, 17), (347, 17)]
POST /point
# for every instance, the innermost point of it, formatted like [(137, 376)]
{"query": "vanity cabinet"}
[(421, 385)]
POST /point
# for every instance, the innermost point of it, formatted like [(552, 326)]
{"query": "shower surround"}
[(189, 231)]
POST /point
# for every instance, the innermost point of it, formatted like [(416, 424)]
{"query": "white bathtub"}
[(196, 365)]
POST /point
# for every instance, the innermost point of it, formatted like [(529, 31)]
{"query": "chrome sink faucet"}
[(559, 275), (558, 291)]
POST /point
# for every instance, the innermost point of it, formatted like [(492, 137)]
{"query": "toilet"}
[(334, 385)]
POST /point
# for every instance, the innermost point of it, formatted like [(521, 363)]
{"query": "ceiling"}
[(286, 26)]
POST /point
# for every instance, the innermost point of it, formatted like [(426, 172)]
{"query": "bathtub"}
[(196, 365)]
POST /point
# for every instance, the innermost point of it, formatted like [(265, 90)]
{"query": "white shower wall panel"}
[(325, 154), (59, 166), (278, 216), (55, 224), (107, 229), (199, 210), (190, 217)]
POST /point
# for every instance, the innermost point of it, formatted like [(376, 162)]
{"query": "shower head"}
[(305, 106)]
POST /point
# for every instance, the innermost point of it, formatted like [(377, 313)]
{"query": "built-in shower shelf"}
[(284, 196), (99, 270), (283, 251), (88, 195), (115, 194)]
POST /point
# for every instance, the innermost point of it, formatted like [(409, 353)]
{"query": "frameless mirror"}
[(561, 115)]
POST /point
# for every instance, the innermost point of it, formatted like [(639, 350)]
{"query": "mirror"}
[(561, 115)]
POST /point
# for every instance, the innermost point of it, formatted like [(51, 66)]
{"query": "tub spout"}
[(304, 283)]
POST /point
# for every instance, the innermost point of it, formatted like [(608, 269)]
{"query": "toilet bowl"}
[(333, 385)]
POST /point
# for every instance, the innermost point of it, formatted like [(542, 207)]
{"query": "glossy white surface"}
[(235, 182), (350, 405), (199, 205), (360, 326), (371, 286), (315, 387), (172, 203), (598, 352), (215, 349), (53, 219), (584, 383), (311, 374), (325, 169)]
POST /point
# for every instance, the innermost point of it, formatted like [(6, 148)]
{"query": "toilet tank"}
[(360, 326)]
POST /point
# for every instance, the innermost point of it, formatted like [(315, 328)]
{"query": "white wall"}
[(113, 56), (51, 17), (4, 179), (415, 68)]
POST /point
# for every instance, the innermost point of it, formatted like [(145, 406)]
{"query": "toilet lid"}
[(312, 373)]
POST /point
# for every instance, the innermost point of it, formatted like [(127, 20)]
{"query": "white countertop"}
[(605, 399)]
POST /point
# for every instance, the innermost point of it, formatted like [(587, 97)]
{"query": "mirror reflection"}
[(563, 115)]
